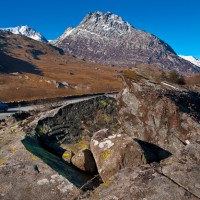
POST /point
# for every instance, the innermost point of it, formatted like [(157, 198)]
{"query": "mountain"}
[(107, 39), (192, 59), (26, 31)]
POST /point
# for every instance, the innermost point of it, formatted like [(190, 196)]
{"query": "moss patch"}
[(35, 158), (66, 155), (105, 155), (75, 148), (107, 183), (103, 103)]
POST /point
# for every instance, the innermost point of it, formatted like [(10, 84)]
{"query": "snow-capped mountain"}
[(107, 39), (26, 31), (191, 59)]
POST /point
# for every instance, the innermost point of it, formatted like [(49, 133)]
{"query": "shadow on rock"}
[(152, 152), (187, 103), (60, 166)]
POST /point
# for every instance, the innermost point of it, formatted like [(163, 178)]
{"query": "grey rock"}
[(158, 115), (177, 180), (183, 168), (84, 161), (107, 39), (113, 152)]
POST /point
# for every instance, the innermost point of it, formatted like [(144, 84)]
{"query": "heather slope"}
[(30, 70)]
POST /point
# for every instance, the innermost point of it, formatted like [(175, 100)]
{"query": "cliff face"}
[(107, 39), (162, 114)]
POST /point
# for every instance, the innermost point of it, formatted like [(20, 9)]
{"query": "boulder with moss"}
[(159, 113), (179, 179), (115, 151)]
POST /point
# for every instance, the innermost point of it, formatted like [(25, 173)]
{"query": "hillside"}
[(30, 70)]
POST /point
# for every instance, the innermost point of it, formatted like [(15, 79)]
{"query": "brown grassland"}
[(29, 70)]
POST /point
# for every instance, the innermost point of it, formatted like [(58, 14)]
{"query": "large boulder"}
[(80, 156), (177, 180), (113, 152), (159, 113), (27, 171)]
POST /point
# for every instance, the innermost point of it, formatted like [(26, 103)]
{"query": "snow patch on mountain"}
[(26, 31), (191, 59), (100, 24), (67, 32), (107, 39)]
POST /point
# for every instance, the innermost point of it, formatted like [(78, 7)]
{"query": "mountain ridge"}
[(107, 39), (191, 59), (26, 31), (31, 70)]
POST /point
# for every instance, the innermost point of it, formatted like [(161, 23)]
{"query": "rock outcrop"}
[(183, 168), (145, 146), (113, 152), (75, 123), (107, 39), (158, 123), (159, 113), (68, 132), (27, 171), (180, 180)]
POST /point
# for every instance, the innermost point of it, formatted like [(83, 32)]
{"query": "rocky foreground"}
[(144, 145)]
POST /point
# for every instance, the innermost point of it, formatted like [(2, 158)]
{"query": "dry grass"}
[(130, 74), (193, 80), (47, 65)]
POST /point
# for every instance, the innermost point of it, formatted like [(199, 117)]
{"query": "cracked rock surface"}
[(179, 180)]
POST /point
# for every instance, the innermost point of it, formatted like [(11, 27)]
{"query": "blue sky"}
[(177, 22)]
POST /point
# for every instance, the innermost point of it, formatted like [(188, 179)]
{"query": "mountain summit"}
[(107, 39), (107, 24), (26, 31)]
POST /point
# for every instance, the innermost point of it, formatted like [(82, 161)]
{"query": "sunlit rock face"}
[(107, 39)]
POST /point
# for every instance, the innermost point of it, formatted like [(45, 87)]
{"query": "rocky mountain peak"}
[(107, 39), (26, 31), (103, 23)]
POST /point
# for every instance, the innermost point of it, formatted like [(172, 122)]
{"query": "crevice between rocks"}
[(81, 180), (178, 184)]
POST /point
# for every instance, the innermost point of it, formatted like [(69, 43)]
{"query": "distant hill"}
[(26, 31), (34, 70)]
